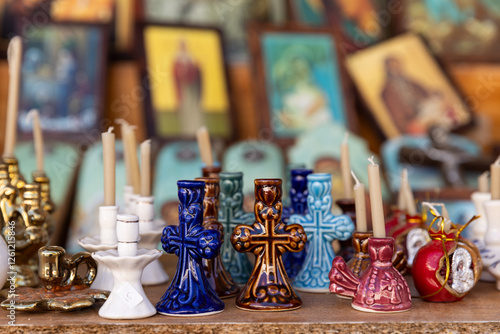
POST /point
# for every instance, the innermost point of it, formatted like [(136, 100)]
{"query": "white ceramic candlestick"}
[(150, 232), (128, 191), (491, 252), (127, 299), (477, 230), (105, 241)]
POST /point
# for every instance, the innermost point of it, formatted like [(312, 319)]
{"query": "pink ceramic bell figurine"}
[(381, 288)]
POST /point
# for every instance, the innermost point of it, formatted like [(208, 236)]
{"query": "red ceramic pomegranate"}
[(430, 268)]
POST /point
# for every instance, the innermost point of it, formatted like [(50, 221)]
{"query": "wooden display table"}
[(477, 313)]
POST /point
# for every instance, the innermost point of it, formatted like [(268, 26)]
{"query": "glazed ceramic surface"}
[(361, 259), (231, 214), (190, 292), (445, 274), (298, 199), (380, 289), (490, 254), (127, 299), (219, 278), (104, 278), (321, 227), (268, 288)]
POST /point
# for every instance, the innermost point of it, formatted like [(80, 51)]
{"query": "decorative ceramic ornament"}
[(190, 293), (381, 289), (219, 278), (446, 268), (231, 214), (268, 288), (127, 299), (321, 227), (298, 199)]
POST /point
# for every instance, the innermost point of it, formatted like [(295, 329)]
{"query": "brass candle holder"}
[(25, 213)]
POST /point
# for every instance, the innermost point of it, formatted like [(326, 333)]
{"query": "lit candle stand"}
[(127, 299), (369, 292)]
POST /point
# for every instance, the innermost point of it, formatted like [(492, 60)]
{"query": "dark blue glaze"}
[(298, 199), (189, 292)]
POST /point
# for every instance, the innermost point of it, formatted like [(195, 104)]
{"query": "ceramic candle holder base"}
[(127, 299), (154, 273), (104, 278), (490, 254), (381, 289)]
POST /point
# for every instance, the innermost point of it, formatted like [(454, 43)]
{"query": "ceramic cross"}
[(219, 278), (189, 292), (268, 288), (321, 227), (298, 198), (231, 214)]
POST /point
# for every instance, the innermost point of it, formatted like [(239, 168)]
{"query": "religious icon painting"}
[(360, 23), (459, 30), (62, 76), (186, 84), (300, 83), (230, 16), (308, 12), (405, 88)]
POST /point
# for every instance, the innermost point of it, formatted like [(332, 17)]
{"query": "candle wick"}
[(497, 161), (110, 129), (371, 159), (354, 176), (121, 121), (485, 174), (147, 141), (346, 136)]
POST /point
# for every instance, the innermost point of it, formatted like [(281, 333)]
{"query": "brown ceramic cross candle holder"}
[(219, 278), (268, 288)]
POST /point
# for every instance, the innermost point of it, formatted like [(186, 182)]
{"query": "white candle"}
[(345, 167), (482, 182), (123, 126), (359, 199), (401, 195), (495, 179), (131, 147), (377, 209), (109, 162), (204, 146), (14, 56), (37, 139), (408, 195), (446, 222), (146, 168)]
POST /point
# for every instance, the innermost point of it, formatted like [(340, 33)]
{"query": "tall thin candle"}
[(482, 181), (146, 168), (345, 167), (377, 209), (109, 162), (408, 194), (37, 139), (14, 56), (131, 147), (495, 179), (204, 146), (359, 200), (123, 129)]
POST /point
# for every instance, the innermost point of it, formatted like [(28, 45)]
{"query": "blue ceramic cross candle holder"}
[(321, 228), (298, 198), (189, 293), (231, 214)]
